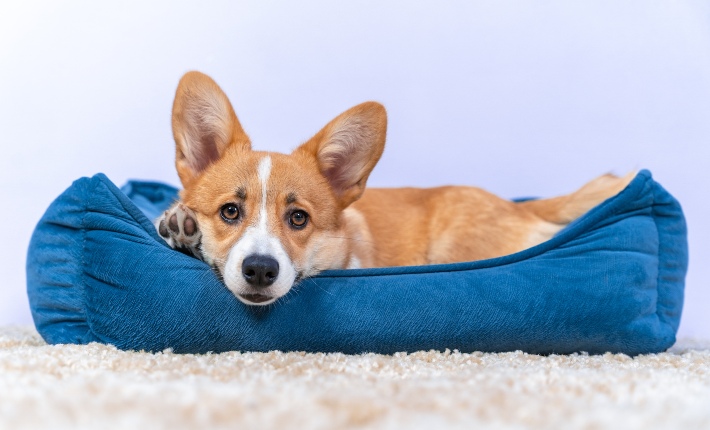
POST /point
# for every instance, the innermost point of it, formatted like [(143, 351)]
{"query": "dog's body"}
[(266, 220)]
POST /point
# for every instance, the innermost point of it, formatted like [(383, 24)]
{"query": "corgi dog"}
[(266, 220)]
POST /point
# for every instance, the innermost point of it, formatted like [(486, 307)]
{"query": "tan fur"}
[(326, 177), (411, 226)]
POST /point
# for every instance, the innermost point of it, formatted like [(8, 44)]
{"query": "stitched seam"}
[(132, 210), (654, 211), (87, 315)]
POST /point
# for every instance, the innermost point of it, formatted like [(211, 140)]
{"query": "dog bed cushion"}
[(611, 281)]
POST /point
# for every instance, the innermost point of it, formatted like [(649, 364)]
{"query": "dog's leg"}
[(178, 226), (565, 209)]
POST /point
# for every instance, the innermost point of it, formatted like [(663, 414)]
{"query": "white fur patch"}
[(259, 240), (264, 173), (542, 233), (354, 263)]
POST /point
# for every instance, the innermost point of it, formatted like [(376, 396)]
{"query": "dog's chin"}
[(256, 299), (252, 295)]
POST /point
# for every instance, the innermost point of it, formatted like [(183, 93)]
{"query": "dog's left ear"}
[(348, 148)]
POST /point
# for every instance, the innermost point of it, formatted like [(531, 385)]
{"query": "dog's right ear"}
[(204, 125)]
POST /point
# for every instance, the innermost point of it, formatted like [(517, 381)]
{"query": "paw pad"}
[(178, 226), (162, 230)]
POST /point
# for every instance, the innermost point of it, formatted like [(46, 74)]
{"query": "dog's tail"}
[(565, 209)]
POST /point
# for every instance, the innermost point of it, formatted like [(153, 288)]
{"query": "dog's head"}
[(270, 219)]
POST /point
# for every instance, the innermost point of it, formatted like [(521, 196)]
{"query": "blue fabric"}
[(611, 281)]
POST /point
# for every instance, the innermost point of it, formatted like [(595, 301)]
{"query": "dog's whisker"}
[(349, 238), (310, 279)]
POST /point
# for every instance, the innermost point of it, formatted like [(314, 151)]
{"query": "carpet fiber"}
[(98, 386)]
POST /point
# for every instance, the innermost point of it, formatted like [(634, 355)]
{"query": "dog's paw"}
[(178, 227)]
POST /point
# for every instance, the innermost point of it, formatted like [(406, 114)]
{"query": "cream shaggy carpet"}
[(97, 386)]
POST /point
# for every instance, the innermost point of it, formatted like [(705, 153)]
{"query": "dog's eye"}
[(229, 212), (298, 219)]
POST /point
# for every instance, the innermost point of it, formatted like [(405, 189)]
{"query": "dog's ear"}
[(204, 125), (347, 149)]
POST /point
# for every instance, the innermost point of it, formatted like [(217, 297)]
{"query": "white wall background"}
[(521, 98)]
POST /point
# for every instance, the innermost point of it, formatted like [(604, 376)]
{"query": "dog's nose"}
[(260, 270)]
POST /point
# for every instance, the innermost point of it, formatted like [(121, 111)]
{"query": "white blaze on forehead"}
[(258, 240), (264, 172)]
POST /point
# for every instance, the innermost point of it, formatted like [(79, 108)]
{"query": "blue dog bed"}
[(611, 281)]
